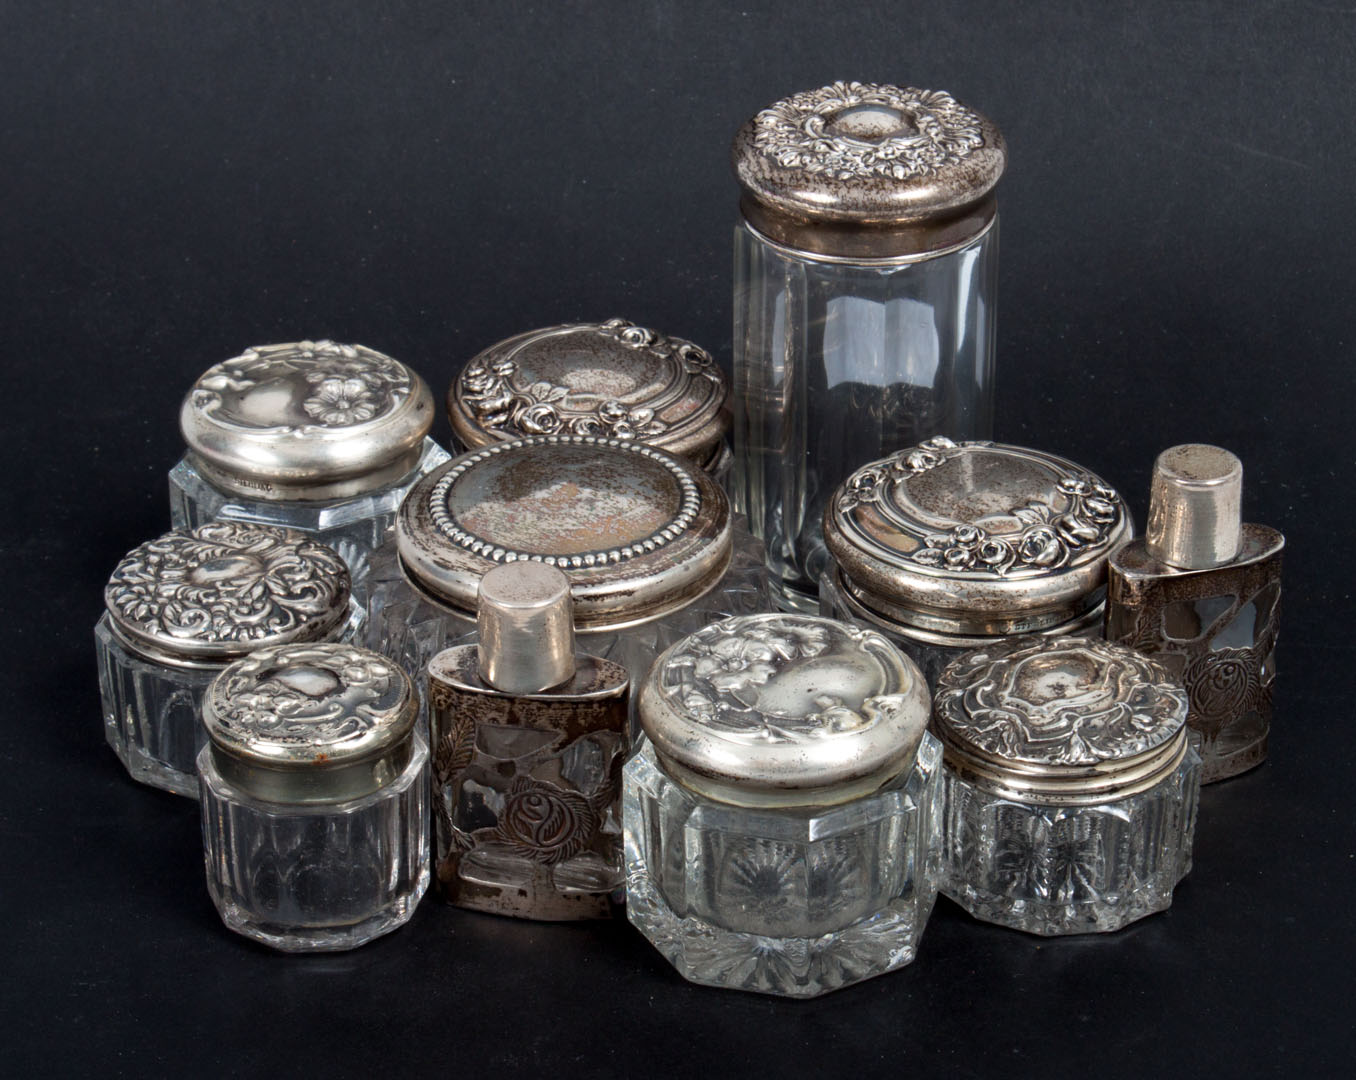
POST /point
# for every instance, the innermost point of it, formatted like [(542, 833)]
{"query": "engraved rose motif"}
[(545, 823), (1221, 684)]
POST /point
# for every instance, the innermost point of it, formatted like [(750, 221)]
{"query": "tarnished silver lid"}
[(638, 532), (784, 710), (306, 421), (1195, 507), (974, 538), (311, 723), (208, 595), (614, 379), (1062, 720), (869, 170)]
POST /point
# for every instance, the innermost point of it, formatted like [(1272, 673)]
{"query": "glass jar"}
[(314, 797), (866, 265), (613, 379), (182, 607), (780, 814), (314, 436), (1069, 786), (945, 547)]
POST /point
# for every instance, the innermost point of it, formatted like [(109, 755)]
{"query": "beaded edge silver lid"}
[(612, 379), (306, 420), (219, 591), (780, 709)]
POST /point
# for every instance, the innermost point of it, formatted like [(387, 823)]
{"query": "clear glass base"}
[(322, 877), (793, 902), (1067, 869)]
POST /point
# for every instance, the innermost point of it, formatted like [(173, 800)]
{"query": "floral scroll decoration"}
[(936, 131)]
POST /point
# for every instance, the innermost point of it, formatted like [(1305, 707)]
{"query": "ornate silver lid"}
[(1070, 720), (224, 589), (974, 538), (309, 420), (784, 710), (869, 170), (310, 723), (638, 532), (614, 379)]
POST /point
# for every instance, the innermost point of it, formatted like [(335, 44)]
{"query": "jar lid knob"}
[(526, 623), (1195, 507)]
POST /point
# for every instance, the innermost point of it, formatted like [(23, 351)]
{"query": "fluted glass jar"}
[(865, 285)]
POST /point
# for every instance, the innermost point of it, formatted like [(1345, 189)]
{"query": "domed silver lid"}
[(613, 379), (1070, 720), (310, 723), (638, 532), (869, 170), (974, 538), (224, 589), (306, 421), (784, 710)]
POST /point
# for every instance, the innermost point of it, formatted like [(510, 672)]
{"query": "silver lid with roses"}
[(975, 538)]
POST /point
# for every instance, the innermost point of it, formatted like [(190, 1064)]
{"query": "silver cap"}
[(1060, 720), (1195, 507), (613, 379), (526, 627), (224, 589), (639, 533), (784, 710), (310, 723), (975, 538), (308, 420)]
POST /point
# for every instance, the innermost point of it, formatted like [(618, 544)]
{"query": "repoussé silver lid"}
[(1062, 720), (309, 420), (784, 710), (311, 723), (205, 596), (974, 538), (613, 379)]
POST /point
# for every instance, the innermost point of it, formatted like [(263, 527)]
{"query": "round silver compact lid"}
[(217, 592), (784, 710), (614, 379), (638, 532), (869, 170), (311, 723), (307, 421), (1065, 720), (974, 538)]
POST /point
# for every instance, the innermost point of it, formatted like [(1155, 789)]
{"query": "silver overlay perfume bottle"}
[(1069, 787), (780, 815), (314, 797), (866, 264), (528, 743), (1202, 594), (182, 607), (946, 546), (315, 436)]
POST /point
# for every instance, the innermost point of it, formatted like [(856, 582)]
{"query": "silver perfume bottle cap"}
[(224, 589), (1195, 507), (310, 723), (1061, 720), (784, 710), (308, 420), (526, 627), (614, 379), (975, 538), (639, 533)]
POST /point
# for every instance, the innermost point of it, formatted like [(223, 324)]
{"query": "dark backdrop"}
[(182, 180)]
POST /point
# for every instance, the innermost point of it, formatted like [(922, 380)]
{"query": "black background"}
[(182, 180)]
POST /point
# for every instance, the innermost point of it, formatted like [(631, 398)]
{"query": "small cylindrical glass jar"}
[(780, 815), (1069, 786), (314, 797), (314, 436), (946, 546), (182, 607), (614, 379), (866, 264)]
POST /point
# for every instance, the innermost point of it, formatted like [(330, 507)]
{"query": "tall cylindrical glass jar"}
[(865, 277)]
